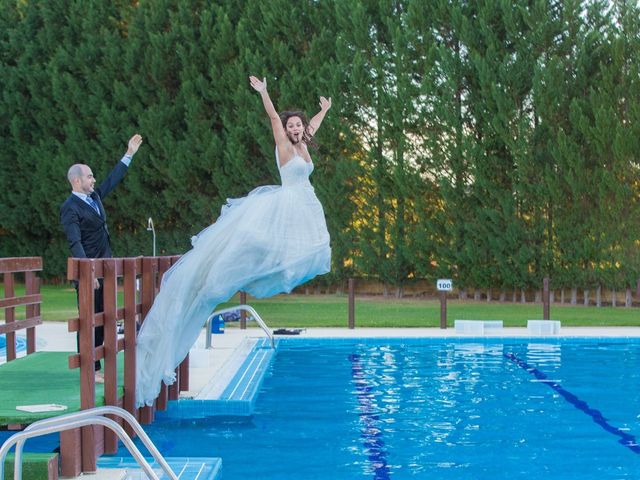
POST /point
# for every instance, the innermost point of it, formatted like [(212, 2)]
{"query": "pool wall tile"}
[(189, 468), (238, 398)]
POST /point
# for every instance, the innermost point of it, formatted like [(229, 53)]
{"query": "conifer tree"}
[(377, 43), (56, 87)]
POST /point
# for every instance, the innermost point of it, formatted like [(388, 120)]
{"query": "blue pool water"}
[(436, 409), (21, 345)]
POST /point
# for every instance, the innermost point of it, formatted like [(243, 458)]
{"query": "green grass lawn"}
[(298, 310), (58, 302), (331, 311)]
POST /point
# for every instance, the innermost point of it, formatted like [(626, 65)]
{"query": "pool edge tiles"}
[(239, 395), (186, 468), (418, 340)]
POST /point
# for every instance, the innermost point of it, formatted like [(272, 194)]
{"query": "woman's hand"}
[(258, 86), (325, 104)]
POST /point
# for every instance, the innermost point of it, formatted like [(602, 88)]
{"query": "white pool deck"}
[(217, 364)]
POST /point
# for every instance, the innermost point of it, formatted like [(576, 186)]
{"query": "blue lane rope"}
[(371, 432), (626, 440)]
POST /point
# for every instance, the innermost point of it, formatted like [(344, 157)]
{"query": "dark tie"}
[(93, 203)]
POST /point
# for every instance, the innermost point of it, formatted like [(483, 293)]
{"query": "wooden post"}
[(130, 317), (10, 316), (148, 294), (163, 397), (545, 299), (70, 447), (352, 305), (243, 314), (87, 357), (110, 286), (173, 390), (164, 263), (32, 285), (149, 274), (443, 309), (184, 374)]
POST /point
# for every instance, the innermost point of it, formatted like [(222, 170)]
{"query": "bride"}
[(266, 243)]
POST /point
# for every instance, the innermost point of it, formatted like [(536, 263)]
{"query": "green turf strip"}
[(41, 378), (35, 466)]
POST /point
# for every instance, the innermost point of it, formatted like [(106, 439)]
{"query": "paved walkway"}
[(450, 332), (205, 364)]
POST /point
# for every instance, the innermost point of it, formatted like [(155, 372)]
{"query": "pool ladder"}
[(246, 308), (93, 416)]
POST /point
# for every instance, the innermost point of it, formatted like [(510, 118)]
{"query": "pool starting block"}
[(543, 327), (477, 327)]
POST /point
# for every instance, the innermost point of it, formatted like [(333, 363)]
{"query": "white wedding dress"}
[(268, 242)]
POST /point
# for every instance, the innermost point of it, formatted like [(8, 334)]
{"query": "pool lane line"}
[(626, 440), (371, 432)]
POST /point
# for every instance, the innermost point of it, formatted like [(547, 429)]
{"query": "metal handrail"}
[(92, 416), (247, 308), (106, 422)]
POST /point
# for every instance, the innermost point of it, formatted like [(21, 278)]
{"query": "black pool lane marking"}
[(625, 440), (371, 432)]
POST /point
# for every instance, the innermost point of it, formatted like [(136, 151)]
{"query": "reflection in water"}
[(545, 354), (371, 432)]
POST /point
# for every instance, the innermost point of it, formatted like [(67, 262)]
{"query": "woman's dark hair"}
[(307, 136)]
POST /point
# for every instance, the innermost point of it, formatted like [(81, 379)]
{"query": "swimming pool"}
[(431, 408), (21, 345)]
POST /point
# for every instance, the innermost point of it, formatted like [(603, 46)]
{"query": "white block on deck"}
[(543, 327), (477, 327)]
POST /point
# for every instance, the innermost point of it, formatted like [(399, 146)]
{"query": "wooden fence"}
[(139, 280), (31, 300)]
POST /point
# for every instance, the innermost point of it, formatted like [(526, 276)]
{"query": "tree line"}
[(493, 143)]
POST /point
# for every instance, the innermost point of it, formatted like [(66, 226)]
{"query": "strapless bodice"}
[(295, 172)]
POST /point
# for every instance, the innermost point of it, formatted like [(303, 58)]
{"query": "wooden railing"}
[(31, 300), (139, 280)]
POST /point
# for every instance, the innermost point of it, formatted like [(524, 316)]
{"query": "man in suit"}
[(85, 221)]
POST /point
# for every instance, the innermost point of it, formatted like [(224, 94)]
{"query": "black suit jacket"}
[(87, 231)]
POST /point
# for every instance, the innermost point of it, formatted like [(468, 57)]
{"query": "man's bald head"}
[(81, 178)]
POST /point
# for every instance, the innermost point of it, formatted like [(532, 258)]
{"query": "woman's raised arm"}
[(260, 86), (316, 121)]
